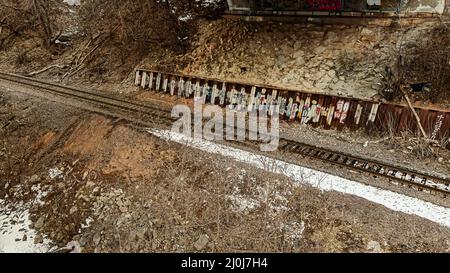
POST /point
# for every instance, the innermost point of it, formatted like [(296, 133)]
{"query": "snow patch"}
[(293, 231), (185, 18), (16, 236), (40, 194), (72, 2), (242, 203), (55, 173), (320, 180)]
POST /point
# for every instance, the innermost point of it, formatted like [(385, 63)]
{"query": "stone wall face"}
[(330, 59), (424, 6)]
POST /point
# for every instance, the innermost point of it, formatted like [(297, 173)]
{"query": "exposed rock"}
[(35, 178), (202, 242), (38, 239), (374, 247), (75, 246), (367, 32), (73, 209), (142, 233), (97, 238), (85, 174), (40, 222)]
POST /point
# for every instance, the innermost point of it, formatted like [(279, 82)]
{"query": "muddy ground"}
[(112, 188)]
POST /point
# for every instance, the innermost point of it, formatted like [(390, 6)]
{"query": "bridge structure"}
[(337, 7)]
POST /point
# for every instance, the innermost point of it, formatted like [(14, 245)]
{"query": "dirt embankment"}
[(108, 187)]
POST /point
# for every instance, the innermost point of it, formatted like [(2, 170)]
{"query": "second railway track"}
[(144, 114)]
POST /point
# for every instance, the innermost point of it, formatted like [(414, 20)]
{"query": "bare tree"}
[(144, 22), (29, 17)]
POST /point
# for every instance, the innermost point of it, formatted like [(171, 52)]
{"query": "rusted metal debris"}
[(317, 110)]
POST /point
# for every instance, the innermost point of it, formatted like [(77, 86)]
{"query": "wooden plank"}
[(318, 111), (269, 100), (324, 111), (223, 94), (180, 86), (274, 104), (215, 93), (301, 106), (370, 123), (233, 97), (289, 105), (137, 77), (188, 89), (350, 121), (295, 110), (172, 85), (359, 113), (165, 84), (330, 113), (144, 79), (197, 90), (365, 114), (337, 113), (242, 99), (262, 99), (306, 111), (251, 102), (205, 92), (344, 115), (158, 82), (283, 100), (150, 80)]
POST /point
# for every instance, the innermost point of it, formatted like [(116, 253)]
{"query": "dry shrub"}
[(412, 142), (428, 61), (145, 23), (131, 29), (29, 17)]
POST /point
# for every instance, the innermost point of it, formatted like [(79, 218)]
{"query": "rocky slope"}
[(334, 59)]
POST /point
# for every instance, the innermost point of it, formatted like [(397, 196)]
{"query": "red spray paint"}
[(324, 4)]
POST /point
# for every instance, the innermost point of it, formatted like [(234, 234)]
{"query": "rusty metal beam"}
[(316, 109)]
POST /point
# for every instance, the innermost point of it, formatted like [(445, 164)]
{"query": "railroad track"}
[(396, 174), (145, 114)]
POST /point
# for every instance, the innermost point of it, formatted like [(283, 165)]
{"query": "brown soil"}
[(146, 195)]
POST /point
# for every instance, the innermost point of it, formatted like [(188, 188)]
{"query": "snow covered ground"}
[(323, 181), (72, 2), (16, 236)]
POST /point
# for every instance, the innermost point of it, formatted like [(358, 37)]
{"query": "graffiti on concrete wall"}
[(324, 4), (319, 110), (437, 126)]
